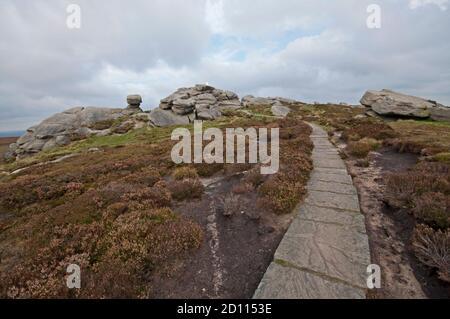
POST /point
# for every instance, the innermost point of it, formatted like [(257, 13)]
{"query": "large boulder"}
[(199, 102), (390, 103), (161, 118), (65, 127), (280, 110)]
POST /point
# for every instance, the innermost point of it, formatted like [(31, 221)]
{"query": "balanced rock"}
[(134, 101), (390, 103)]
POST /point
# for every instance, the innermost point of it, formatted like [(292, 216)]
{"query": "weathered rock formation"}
[(62, 128), (134, 102), (201, 102), (390, 103)]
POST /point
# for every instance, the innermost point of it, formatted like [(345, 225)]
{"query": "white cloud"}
[(442, 4), (215, 16), (311, 50)]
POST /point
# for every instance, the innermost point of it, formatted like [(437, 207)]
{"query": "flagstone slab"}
[(325, 252), (282, 282)]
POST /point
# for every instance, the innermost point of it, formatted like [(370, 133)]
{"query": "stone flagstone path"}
[(325, 252)]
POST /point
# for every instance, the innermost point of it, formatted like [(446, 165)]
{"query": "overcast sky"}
[(311, 50)]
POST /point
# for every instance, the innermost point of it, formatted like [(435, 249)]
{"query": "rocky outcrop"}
[(162, 118), (250, 100), (390, 103), (201, 102), (62, 128)]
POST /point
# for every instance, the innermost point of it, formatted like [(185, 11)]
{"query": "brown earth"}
[(390, 231), (237, 249)]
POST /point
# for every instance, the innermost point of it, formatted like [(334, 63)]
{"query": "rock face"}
[(390, 103), (201, 102), (73, 124), (440, 113)]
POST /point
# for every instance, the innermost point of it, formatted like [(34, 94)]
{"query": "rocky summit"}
[(390, 103), (201, 102)]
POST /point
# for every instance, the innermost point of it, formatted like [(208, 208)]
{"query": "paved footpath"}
[(325, 252)]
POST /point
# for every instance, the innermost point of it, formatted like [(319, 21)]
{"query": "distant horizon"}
[(12, 133), (36, 120)]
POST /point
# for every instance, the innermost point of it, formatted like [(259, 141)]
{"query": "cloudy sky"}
[(311, 50)]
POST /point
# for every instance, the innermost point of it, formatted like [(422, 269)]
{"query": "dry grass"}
[(421, 137), (331, 116), (425, 193), (368, 129), (433, 209), (186, 189), (362, 148), (403, 188), (184, 173), (432, 248), (283, 191)]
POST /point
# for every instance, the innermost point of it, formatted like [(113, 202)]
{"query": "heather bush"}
[(147, 176), (433, 209), (426, 177), (432, 248), (208, 170), (186, 189), (157, 196), (377, 131), (185, 172), (281, 195), (116, 258), (363, 147), (281, 192)]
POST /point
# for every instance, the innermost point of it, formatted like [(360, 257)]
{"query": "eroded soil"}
[(390, 231), (236, 250)]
